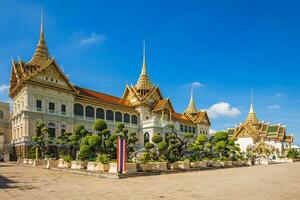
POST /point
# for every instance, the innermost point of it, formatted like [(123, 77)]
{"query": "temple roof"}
[(181, 117), (103, 97), (163, 104)]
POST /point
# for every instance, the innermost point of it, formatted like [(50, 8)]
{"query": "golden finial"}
[(144, 70), (252, 115), (41, 55), (251, 103), (144, 83), (42, 37), (191, 109)]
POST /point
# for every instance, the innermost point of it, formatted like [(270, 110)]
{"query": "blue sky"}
[(224, 48)]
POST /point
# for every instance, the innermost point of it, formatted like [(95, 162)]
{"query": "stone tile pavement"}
[(272, 182)]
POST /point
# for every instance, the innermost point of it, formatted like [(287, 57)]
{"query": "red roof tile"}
[(103, 97)]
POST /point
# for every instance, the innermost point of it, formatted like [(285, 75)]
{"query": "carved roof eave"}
[(40, 69), (253, 135), (167, 102), (46, 65)]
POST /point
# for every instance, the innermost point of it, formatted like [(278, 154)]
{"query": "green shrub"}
[(293, 153), (145, 158), (149, 146), (221, 136), (99, 125), (84, 152), (103, 158), (67, 158), (201, 138), (162, 146), (156, 138), (94, 140)]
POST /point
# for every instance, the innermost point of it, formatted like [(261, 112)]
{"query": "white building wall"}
[(244, 142)]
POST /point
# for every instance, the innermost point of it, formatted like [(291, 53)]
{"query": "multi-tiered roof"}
[(259, 130)]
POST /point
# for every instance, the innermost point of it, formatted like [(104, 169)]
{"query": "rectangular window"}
[(194, 130), (38, 105), (185, 129), (51, 107), (63, 109), (63, 131), (181, 127)]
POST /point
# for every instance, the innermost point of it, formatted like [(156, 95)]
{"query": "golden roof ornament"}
[(144, 84), (252, 115), (41, 55), (191, 109)]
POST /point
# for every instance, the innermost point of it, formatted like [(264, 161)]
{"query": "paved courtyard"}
[(281, 181)]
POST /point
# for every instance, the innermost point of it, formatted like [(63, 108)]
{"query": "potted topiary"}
[(67, 161), (103, 162), (216, 162)]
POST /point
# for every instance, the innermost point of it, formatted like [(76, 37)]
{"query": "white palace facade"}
[(40, 91)]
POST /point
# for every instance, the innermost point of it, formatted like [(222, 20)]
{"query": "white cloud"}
[(222, 109), (194, 84), (272, 107), (197, 84), (93, 38), (279, 95), (4, 88)]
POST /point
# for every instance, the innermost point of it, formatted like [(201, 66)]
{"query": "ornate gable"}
[(52, 75), (247, 130)]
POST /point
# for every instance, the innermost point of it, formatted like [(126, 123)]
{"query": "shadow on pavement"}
[(6, 183)]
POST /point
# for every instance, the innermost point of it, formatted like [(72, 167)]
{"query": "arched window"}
[(100, 113), (110, 115), (1, 114), (126, 118), (146, 137), (78, 109), (89, 112), (190, 129), (118, 117), (194, 130), (51, 130), (185, 128), (134, 119)]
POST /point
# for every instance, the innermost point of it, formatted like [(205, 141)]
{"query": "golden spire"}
[(191, 109), (41, 54), (144, 84), (252, 115)]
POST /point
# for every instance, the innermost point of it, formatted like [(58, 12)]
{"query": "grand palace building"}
[(253, 132), (40, 91)]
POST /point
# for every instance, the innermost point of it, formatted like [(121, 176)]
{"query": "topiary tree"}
[(198, 147), (157, 138), (107, 144), (178, 145), (222, 144), (99, 125), (84, 152), (41, 139), (293, 153), (74, 140), (130, 137)]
